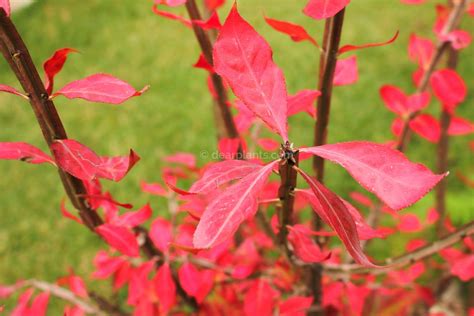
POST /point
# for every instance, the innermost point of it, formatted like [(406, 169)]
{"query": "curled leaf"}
[(24, 152), (54, 65), (348, 48), (296, 32)]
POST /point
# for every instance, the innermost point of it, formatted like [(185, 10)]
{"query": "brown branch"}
[(222, 113), (16, 54), (452, 22), (327, 67), (288, 177), (106, 306), (406, 259)]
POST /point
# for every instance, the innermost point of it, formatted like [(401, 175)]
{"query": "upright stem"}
[(224, 121), (452, 22), (327, 67), (16, 54), (286, 191), (443, 149)]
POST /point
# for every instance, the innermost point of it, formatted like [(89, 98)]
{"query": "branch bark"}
[(327, 67), (452, 22), (16, 54)]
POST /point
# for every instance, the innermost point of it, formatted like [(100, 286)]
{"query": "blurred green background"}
[(126, 39)]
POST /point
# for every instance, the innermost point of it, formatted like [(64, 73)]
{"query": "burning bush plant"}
[(253, 235)]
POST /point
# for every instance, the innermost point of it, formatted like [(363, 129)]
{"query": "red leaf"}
[(212, 23), (54, 65), (260, 299), (132, 219), (67, 214), (427, 127), (161, 234), (333, 211), (346, 71), (460, 126), (295, 31), (21, 308), (401, 104), (323, 9), (464, 268), (348, 48), (295, 306), (412, 1), (5, 5), (381, 170), (421, 50), (228, 148), (24, 152), (244, 59), (303, 101), (171, 16), (214, 4), (221, 173), (106, 265), (8, 89), (119, 238), (268, 144), (202, 63), (305, 248), (228, 210), (81, 162), (165, 288), (364, 230), (100, 88), (185, 159), (196, 283), (448, 87)]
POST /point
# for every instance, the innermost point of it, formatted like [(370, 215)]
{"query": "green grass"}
[(125, 39)]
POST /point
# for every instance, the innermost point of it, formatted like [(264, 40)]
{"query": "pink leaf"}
[(348, 48), (221, 173), (21, 308), (153, 188), (427, 127), (214, 4), (305, 248), (212, 23), (421, 50), (100, 88), (295, 306), (244, 59), (24, 152), (409, 223), (39, 305), (412, 1), (228, 148), (81, 162), (346, 71), (460, 126), (8, 89), (260, 299), (295, 31), (170, 3), (268, 144), (185, 159), (401, 104), (364, 231), (303, 101), (381, 170), (119, 238), (323, 9), (5, 5), (228, 210), (464, 268), (448, 87), (459, 39), (132, 219), (334, 212), (54, 65), (67, 214), (202, 63), (165, 288), (161, 234)]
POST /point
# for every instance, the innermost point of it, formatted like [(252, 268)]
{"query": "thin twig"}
[(65, 295), (406, 259), (452, 22)]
